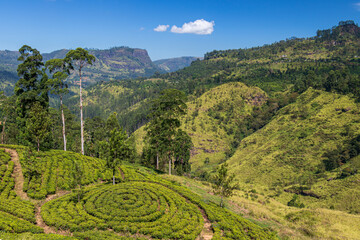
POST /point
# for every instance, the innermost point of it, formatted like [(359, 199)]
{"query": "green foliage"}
[(47, 172), (32, 236), (31, 88), (79, 58), (223, 183), (16, 215), (163, 135), (295, 202), (60, 70), (38, 123), (145, 205)]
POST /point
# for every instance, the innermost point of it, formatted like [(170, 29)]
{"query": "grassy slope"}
[(289, 151), (210, 120), (288, 222)]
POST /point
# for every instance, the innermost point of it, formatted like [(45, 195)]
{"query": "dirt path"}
[(17, 174), (207, 233), (19, 183), (39, 221)]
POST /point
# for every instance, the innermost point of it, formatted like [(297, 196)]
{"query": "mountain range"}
[(110, 64)]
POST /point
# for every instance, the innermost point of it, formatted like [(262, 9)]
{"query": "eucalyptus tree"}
[(32, 86), (79, 59), (60, 70)]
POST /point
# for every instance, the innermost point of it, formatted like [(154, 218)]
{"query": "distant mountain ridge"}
[(174, 64), (111, 64)]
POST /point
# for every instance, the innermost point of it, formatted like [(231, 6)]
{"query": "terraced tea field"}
[(142, 205)]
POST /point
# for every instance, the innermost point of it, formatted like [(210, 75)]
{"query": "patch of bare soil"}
[(17, 174), (39, 221)]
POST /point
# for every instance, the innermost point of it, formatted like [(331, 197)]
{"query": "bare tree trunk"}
[(3, 131), (113, 179), (157, 161), (81, 117), (63, 121), (169, 165), (38, 143)]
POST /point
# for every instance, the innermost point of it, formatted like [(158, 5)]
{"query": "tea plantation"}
[(142, 205)]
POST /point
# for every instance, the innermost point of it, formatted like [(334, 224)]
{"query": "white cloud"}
[(357, 6), (142, 29), (199, 26), (161, 28)]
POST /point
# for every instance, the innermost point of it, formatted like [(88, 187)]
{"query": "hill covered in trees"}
[(284, 117), (326, 62)]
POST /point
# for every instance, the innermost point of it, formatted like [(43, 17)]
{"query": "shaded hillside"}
[(309, 148), (174, 64)]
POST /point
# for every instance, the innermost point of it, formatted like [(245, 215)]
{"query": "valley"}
[(273, 132)]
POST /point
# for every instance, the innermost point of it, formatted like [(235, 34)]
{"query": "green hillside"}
[(214, 119), (327, 62), (142, 205), (310, 148)]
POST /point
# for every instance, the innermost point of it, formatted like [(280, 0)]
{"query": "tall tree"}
[(164, 123), (31, 87), (223, 183), (80, 58), (60, 70), (182, 147), (156, 139)]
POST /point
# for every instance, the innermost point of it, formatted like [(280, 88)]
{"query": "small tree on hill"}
[(118, 150), (223, 183), (38, 123)]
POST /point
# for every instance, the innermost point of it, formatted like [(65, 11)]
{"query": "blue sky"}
[(49, 25)]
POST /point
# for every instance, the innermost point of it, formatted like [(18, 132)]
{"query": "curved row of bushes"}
[(16, 215), (135, 207)]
